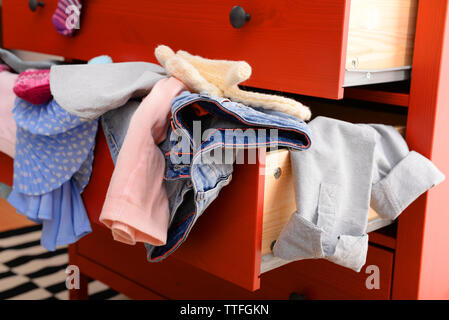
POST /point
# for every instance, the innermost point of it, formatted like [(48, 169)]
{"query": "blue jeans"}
[(201, 147)]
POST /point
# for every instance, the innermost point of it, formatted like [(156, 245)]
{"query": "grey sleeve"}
[(400, 176), (19, 65), (88, 91)]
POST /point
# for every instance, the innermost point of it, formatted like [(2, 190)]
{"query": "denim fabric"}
[(115, 124), (193, 184)]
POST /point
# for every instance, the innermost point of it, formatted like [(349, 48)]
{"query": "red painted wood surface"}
[(422, 253), (382, 240), (95, 192), (393, 98), (293, 46), (6, 169), (176, 279), (227, 239), (82, 292), (422, 258), (115, 281)]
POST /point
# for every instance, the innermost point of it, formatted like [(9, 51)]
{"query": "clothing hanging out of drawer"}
[(191, 187)]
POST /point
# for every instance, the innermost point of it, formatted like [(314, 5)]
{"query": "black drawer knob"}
[(297, 296), (33, 4), (238, 17)]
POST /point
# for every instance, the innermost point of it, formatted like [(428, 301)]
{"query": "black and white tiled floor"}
[(30, 272)]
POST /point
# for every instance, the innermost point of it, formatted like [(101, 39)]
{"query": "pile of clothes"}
[(174, 131)]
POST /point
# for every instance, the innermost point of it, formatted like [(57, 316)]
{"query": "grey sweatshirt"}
[(88, 91)]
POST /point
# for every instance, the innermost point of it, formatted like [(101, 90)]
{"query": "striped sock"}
[(66, 17)]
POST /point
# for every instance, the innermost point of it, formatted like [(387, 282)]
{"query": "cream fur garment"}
[(221, 78)]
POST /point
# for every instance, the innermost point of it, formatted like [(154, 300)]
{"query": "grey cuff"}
[(301, 239), (410, 178)]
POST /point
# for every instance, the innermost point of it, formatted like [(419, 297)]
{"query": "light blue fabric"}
[(52, 165), (52, 145), (61, 212)]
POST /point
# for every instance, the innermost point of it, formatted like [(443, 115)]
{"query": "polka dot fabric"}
[(52, 146)]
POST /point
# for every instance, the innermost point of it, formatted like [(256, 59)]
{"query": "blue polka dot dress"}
[(53, 164)]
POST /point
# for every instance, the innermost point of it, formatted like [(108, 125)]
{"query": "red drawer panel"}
[(6, 169), (95, 192), (320, 279), (175, 279), (226, 240), (304, 41)]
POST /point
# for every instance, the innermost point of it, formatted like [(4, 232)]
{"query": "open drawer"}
[(279, 205), (231, 239), (312, 47)]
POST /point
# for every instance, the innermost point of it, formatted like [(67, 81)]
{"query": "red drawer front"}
[(6, 169), (293, 46), (226, 240), (175, 279), (320, 279), (95, 192)]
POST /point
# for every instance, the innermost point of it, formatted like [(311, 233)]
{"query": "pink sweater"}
[(136, 205), (7, 123)]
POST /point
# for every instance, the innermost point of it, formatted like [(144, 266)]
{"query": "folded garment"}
[(19, 66), (349, 167), (7, 123), (136, 205), (205, 136), (88, 91)]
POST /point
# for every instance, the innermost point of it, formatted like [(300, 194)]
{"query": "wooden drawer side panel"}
[(279, 199), (381, 34)]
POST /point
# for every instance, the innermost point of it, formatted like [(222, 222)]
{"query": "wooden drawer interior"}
[(279, 199), (381, 34)]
